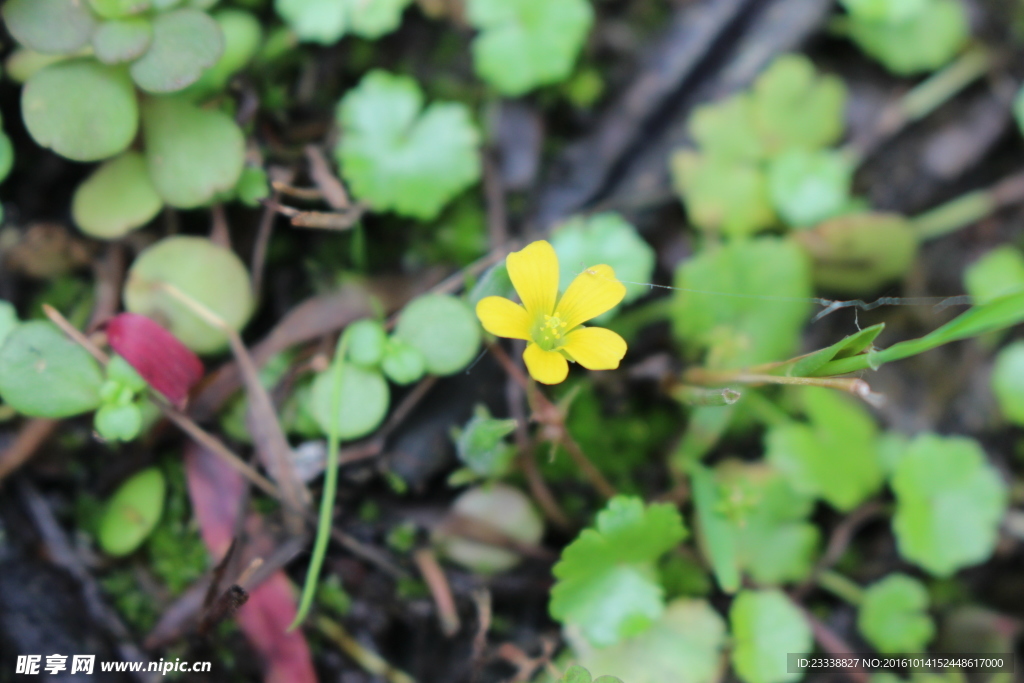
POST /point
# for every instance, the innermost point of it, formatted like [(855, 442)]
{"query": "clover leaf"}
[(893, 615), (81, 109), (443, 329), (889, 11), (577, 674), (726, 128), (605, 238), (723, 194), (835, 457), (49, 26), (242, 35), (117, 198), (606, 579), (809, 186), (997, 273), (794, 107), (744, 327), (326, 21), (949, 503), (45, 374), (118, 9), (191, 153), (398, 156), (1008, 382), (922, 42), (364, 400), (527, 43), (683, 646), (765, 626), (122, 40), (185, 42)]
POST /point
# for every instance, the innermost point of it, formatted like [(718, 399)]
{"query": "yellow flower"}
[(553, 326)]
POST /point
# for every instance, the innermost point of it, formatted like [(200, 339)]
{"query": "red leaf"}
[(156, 354)]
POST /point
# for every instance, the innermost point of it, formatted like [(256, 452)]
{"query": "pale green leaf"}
[(893, 615), (117, 198), (766, 626)]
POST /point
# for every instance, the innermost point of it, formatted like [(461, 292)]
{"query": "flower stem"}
[(969, 208), (841, 586)]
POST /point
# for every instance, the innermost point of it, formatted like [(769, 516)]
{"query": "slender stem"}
[(841, 586), (588, 468), (857, 387), (969, 208), (698, 396), (323, 527)]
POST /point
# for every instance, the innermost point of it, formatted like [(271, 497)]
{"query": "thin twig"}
[(370, 661), (437, 583), (590, 471), (263, 234), (32, 435), (330, 186)]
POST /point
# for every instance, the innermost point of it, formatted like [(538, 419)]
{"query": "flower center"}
[(549, 333)]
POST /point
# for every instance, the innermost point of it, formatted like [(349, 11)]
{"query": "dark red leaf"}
[(156, 354)]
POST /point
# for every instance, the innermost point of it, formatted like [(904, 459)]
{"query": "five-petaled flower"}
[(553, 326)]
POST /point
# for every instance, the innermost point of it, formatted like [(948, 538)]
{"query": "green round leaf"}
[(923, 42), (605, 238), (122, 40), (997, 273), (443, 329), (859, 253), (364, 401), (722, 194), (398, 156), (118, 422), (949, 504), (402, 363), (132, 512), (893, 615), (45, 374), (501, 506), (366, 341), (808, 187), (684, 646), (116, 9), (210, 274), (81, 109), (1008, 382), (888, 11), (6, 156), (765, 626), (24, 63), (527, 43), (253, 185), (185, 42), (326, 21), (117, 198), (8, 320), (242, 34), (49, 26), (192, 153)]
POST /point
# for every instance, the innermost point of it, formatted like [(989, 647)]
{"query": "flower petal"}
[(503, 318), (534, 273), (593, 292), (595, 348), (547, 367)]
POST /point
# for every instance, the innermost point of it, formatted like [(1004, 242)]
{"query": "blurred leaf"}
[(607, 238), (577, 674), (398, 156), (725, 129), (6, 158), (116, 9), (835, 457), (402, 362), (23, 63), (443, 329), (481, 444), (210, 274), (524, 44), (503, 507), (364, 401), (242, 36), (122, 40), (794, 107), (8, 320), (894, 617), (950, 502), (192, 153), (809, 186), (716, 532), (859, 253), (1008, 382), (723, 194), (922, 42), (766, 626), (1018, 109), (49, 26), (45, 374), (818, 363), (117, 198), (607, 584), (253, 185), (158, 356), (888, 11), (683, 646), (326, 21), (81, 109), (366, 340), (494, 282), (764, 282), (185, 43), (132, 512), (997, 273), (115, 422)]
